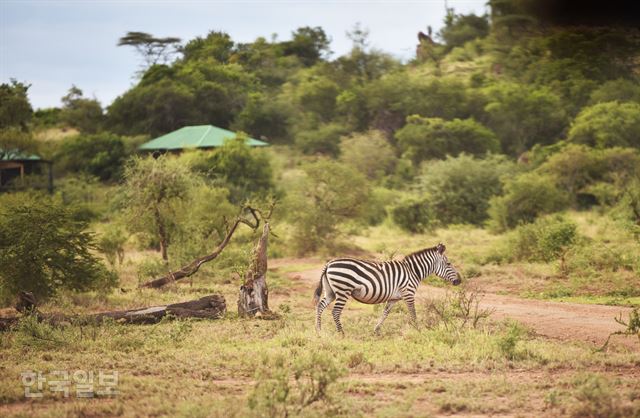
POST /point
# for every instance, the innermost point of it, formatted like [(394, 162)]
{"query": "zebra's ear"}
[(441, 248)]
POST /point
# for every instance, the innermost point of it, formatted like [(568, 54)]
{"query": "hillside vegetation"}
[(514, 141)]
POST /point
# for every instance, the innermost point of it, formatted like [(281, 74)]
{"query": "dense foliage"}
[(55, 255)]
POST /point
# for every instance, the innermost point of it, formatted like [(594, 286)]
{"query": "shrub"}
[(55, 255), (597, 399), (100, 155), (433, 138), (283, 387), (526, 197), (459, 189), (607, 125), (582, 170), (327, 194), (357, 149), (545, 240), (413, 215), (324, 139), (246, 172)]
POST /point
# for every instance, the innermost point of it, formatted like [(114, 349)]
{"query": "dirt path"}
[(557, 320)]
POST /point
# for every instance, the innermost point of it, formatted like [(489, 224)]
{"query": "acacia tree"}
[(154, 188), (153, 50), (81, 112)]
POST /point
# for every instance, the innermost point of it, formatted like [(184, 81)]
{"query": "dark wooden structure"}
[(15, 165)]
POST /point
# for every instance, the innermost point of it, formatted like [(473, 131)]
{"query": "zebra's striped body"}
[(377, 282)]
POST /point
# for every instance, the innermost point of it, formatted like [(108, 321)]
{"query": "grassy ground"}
[(197, 368), (240, 367)]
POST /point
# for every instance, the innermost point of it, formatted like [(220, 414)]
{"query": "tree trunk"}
[(208, 307), (162, 235), (253, 299)]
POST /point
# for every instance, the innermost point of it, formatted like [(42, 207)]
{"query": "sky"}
[(53, 44)]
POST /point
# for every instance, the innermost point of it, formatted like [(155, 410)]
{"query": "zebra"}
[(376, 282)]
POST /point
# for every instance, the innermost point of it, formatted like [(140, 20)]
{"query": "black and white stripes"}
[(376, 282)]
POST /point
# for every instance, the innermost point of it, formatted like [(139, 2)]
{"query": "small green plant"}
[(508, 341), (632, 326), (597, 399), (284, 388), (457, 310)]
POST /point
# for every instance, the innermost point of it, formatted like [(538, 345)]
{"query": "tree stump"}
[(253, 299)]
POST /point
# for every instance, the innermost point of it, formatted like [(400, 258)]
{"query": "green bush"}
[(459, 189), (287, 387), (245, 171), (605, 125), (325, 195), (413, 215), (598, 175), (525, 197), (434, 138), (324, 139), (43, 249), (545, 240), (357, 149), (100, 155)]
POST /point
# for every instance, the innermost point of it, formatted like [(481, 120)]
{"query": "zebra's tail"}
[(318, 291)]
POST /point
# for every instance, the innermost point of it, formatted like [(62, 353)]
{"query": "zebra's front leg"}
[(409, 299), (341, 300), (385, 313)]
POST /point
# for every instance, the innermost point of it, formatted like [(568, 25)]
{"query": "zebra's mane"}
[(419, 252)]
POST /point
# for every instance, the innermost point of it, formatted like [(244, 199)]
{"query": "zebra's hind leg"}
[(385, 313), (324, 302), (341, 300)]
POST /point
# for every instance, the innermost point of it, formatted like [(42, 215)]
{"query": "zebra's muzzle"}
[(456, 281)]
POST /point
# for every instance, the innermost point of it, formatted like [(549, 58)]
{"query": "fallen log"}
[(191, 268), (207, 307)]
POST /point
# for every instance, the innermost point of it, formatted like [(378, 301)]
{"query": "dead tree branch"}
[(253, 222)]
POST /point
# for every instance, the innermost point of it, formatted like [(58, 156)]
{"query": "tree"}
[(526, 197), (459, 188), (263, 117), (326, 194), (607, 124), (308, 44), (153, 109), (15, 109), (153, 50), (43, 249), (522, 116), (364, 64), (460, 29), (356, 151), (321, 139), (434, 138), (619, 90), (216, 45), (101, 155), (153, 190), (245, 171), (80, 112)]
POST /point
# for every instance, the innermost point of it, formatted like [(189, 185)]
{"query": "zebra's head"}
[(443, 268)]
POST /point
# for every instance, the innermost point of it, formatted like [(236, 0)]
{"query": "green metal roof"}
[(17, 155), (202, 136)]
